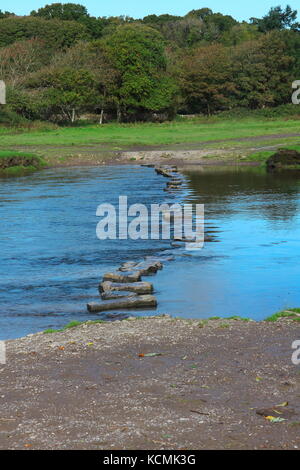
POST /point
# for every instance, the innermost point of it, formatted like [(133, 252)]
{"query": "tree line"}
[(60, 63)]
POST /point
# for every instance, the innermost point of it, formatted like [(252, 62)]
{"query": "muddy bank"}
[(179, 154), (93, 386), (181, 158)]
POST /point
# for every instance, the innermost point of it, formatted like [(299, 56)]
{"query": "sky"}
[(239, 9)]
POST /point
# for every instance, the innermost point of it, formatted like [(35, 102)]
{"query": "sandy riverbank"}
[(180, 154), (87, 387), (181, 158)]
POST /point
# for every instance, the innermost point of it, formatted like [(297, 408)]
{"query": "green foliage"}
[(158, 21), (8, 117), (64, 92), (137, 53), (220, 22), (277, 18), (62, 11), (17, 163), (260, 156), (72, 324), (201, 14), (60, 63), (240, 33), (207, 82), (72, 12), (238, 318), (5, 14), (56, 34), (253, 75)]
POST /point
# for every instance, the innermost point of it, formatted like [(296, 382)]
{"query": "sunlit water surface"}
[(51, 260)]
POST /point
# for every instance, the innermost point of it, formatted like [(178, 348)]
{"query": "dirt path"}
[(87, 387)]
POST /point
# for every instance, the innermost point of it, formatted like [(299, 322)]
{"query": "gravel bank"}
[(88, 387)]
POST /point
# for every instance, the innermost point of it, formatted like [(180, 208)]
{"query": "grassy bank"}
[(292, 314), (116, 136), (17, 163), (264, 155), (241, 138)]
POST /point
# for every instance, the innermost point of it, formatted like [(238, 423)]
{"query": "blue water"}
[(51, 260)]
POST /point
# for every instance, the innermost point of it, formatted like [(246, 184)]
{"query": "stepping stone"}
[(142, 301)]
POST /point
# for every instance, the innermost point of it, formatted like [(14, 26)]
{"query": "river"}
[(52, 261)]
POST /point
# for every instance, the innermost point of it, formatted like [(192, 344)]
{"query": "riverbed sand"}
[(204, 386)]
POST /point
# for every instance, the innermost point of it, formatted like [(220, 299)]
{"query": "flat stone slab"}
[(141, 301), (145, 267), (117, 277), (111, 295), (165, 173), (136, 287)]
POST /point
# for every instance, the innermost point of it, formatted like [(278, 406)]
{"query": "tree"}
[(137, 53), (291, 41), (186, 33), (93, 56), (65, 92), (206, 80), (73, 12), (56, 34), (200, 14), (5, 14), (251, 76), (277, 18), (62, 11), (158, 21), (262, 71), (242, 32), (61, 62), (279, 63), (21, 58), (222, 22)]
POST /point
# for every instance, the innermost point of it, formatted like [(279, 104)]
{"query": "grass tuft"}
[(73, 324), (293, 314)]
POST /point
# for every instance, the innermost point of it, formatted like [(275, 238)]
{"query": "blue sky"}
[(239, 9)]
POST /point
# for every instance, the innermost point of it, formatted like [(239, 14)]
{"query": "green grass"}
[(14, 163), (72, 324), (238, 318), (264, 155), (260, 156), (290, 313), (178, 131)]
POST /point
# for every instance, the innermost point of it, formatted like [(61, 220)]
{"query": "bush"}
[(11, 118)]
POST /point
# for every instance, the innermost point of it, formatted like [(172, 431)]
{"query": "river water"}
[(51, 260)]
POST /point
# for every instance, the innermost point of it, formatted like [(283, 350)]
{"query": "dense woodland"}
[(61, 64)]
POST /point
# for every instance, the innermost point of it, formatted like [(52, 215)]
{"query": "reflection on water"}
[(51, 260), (254, 269)]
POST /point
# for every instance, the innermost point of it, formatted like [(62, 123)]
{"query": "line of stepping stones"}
[(125, 289)]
